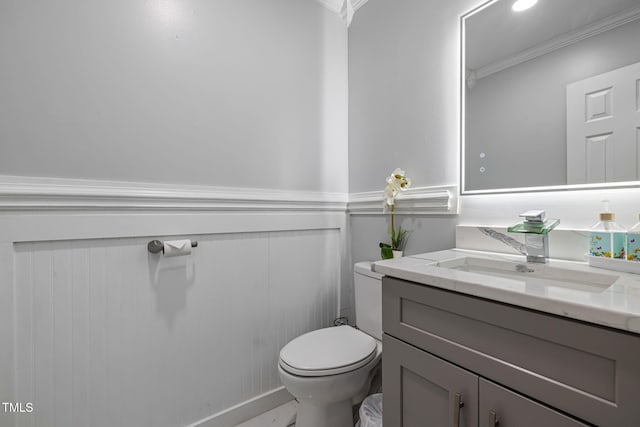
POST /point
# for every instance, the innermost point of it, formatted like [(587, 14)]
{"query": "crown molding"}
[(31, 193), (332, 5), (564, 40), (336, 6), (441, 200), (357, 4)]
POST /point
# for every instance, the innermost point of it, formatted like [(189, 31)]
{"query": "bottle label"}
[(633, 247), (608, 245)]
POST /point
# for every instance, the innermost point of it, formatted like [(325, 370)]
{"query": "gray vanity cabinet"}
[(518, 366), (422, 390)]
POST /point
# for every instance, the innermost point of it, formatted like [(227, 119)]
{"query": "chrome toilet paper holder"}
[(157, 246)]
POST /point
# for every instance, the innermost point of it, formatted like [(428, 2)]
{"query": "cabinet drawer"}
[(588, 371)]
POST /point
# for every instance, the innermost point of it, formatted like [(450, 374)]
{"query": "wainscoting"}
[(99, 332), (110, 333), (103, 333)]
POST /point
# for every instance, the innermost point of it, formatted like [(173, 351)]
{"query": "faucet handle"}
[(533, 216)]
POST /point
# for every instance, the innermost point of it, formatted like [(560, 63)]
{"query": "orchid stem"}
[(393, 226)]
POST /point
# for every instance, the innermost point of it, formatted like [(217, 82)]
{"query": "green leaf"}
[(400, 240), (386, 252)]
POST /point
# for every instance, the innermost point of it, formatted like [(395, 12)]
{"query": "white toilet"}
[(329, 370)]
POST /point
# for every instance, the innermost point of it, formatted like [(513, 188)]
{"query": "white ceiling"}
[(496, 32)]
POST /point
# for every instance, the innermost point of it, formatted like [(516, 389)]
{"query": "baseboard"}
[(246, 410)]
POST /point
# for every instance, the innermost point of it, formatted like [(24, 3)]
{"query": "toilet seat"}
[(329, 351)]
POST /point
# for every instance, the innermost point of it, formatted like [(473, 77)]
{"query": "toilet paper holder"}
[(157, 246)]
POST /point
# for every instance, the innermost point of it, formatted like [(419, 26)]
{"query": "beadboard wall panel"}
[(100, 332), (109, 334)]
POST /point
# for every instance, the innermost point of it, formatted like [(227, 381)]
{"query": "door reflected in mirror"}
[(550, 95)]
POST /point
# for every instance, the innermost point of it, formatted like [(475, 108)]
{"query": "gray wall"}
[(403, 111), (403, 68), (517, 117), (245, 93)]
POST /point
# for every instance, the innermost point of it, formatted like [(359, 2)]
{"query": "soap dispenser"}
[(606, 237), (633, 242)]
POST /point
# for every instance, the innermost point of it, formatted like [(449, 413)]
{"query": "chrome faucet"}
[(536, 230), (537, 247)]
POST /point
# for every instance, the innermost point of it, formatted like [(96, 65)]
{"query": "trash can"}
[(371, 411)]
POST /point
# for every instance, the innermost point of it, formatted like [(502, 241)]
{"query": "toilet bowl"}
[(330, 370), (328, 383)]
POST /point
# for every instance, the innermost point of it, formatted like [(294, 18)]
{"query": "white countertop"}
[(616, 306)]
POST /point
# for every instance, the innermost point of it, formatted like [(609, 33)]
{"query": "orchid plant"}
[(397, 182)]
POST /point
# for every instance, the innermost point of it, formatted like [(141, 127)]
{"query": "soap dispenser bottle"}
[(607, 238), (633, 242)]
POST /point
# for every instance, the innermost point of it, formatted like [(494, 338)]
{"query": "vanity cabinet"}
[(424, 390), (456, 360)]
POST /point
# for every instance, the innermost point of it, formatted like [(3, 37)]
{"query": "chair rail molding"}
[(442, 200), (36, 194)]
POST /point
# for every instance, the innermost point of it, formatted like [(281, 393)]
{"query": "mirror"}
[(550, 96)]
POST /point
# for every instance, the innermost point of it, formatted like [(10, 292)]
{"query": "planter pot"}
[(397, 254)]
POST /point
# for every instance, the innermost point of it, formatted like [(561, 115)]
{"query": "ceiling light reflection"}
[(521, 5)]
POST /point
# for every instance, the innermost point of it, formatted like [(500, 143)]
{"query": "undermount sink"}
[(532, 272)]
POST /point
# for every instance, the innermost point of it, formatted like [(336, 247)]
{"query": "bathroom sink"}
[(531, 272)]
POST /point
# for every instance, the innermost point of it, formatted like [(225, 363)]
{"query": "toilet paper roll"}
[(177, 247)]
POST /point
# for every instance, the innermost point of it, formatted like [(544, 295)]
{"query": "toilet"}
[(330, 370)]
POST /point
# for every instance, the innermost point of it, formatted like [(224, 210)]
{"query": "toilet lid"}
[(328, 351)]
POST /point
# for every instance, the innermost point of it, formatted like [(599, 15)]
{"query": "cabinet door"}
[(499, 406), (421, 390)]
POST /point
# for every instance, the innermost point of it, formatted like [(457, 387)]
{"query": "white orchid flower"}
[(398, 173), (396, 183), (405, 184), (389, 195)]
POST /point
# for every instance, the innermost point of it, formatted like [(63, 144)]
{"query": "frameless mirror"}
[(550, 95)]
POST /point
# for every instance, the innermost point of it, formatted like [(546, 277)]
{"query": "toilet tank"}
[(368, 294)]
